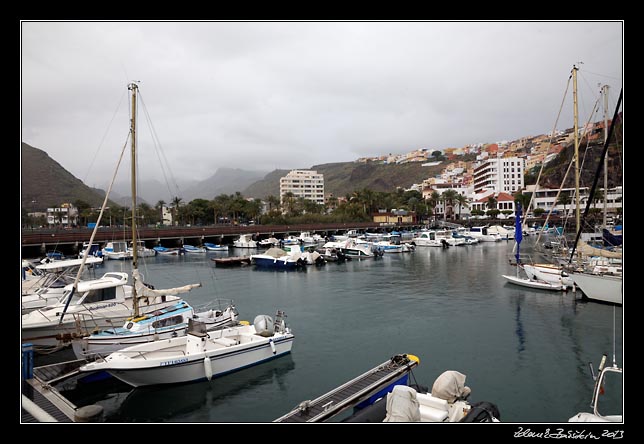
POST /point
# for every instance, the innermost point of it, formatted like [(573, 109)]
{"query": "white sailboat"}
[(166, 323), (100, 303), (596, 283)]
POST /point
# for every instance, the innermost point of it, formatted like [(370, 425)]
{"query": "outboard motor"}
[(264, 325), (482, 412)]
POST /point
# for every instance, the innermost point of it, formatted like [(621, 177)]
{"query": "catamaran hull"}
[(192, 368), (600, 288)]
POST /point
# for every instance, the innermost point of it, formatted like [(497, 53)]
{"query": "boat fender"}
[(207, 365), (272, 346)]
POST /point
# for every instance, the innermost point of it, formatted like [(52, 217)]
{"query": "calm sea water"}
[(525, 350)]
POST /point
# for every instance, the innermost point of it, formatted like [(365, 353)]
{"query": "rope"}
[(552, 133)]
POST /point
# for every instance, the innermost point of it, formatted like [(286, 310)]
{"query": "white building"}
[(501, 175), (546, 199), (65, 215), (308, 184)]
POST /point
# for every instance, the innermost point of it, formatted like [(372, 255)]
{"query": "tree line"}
[(235, 209)]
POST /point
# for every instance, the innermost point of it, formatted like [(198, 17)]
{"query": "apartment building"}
[(308, 184), (500, 174)]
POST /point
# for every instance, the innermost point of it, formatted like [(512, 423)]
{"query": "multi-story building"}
[(500, 174), (546, 199), (65, 215), (308, 184)]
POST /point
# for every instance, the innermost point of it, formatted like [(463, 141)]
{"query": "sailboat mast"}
[(134, 87), (576, 141), (605, 93)]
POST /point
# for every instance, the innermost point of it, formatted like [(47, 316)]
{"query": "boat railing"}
[(87, 323), (215, 304)]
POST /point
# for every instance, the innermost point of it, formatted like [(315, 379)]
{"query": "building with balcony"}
[(307, 184), (500, 174), (66, 215)]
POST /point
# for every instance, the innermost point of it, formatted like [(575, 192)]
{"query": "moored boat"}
[(199, 355), (245, 241), (94, 305), (192, 249), (215, 247), (166, 323)]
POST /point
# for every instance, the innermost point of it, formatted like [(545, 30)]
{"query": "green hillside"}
[(45, 183), (345, 177)]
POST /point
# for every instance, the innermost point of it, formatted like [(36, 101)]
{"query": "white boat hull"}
[(548, 273), (176, 366), (93, 316), (600, 288), (533, 284), (103, 344)]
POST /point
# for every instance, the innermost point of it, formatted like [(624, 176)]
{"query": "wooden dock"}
[(371, 384), (39, 391), (231, 261)]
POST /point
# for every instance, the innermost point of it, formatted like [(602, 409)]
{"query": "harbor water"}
[(525, 350)]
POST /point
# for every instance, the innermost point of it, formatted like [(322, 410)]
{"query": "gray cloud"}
[(266, 95)]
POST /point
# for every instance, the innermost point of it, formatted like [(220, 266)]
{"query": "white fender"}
[(207, 366), (272, 346)]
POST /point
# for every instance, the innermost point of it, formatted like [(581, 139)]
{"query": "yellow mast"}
[(576, 135), (134, 87), (605, 93)]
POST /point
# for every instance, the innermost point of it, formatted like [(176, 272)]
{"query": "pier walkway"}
[(41, 401)]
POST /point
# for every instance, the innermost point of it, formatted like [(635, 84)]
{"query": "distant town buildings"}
[(307, 184)]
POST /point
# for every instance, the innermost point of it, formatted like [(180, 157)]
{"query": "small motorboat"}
[(215, 247), (161, 250), (447, 402), (192, 249), (199, 355), (278, 258)]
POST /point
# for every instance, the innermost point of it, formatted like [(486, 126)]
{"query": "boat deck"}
[(351, 393)]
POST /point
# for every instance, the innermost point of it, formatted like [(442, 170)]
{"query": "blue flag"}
[(518, 232)]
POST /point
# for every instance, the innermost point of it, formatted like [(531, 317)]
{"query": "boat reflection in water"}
[(191, 402)]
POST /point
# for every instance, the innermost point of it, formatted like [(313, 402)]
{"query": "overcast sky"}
[(267, 95)]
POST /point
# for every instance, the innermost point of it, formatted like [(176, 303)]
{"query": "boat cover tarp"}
[(402, 405), (275, 252), (587, 250), (450, 386), (610, 238)]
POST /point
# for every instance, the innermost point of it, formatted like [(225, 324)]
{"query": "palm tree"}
[(332, 203), (273, 201), (462, 202), (564, 199), (434, 199), (288, 200), (492, 203), (176, 201), (448, 198)]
